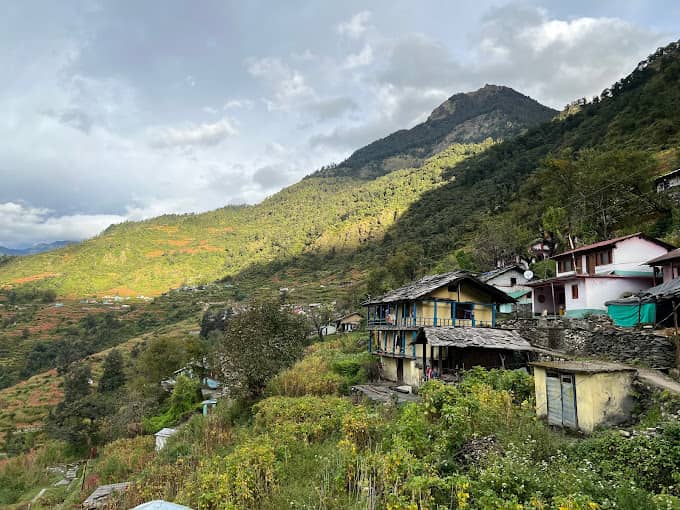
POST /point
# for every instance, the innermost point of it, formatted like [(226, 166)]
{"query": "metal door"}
[(561, 396), (554, 396), (568, 401)]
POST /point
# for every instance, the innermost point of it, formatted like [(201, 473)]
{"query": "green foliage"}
[(114, 374), (183, 402), (258, 343)]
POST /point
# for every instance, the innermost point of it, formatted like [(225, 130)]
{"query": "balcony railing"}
[(426, 322)]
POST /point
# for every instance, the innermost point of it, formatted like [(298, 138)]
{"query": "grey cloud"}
[(273, 176), (333, 107)]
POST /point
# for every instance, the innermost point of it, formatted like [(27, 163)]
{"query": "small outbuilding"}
[(349, 322), (162, 437), (582, 395)]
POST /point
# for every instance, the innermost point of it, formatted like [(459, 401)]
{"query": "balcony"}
[(425, 322)]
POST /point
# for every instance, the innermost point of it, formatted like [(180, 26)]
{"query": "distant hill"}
[(410, 203), (36, 248), (494, 112)]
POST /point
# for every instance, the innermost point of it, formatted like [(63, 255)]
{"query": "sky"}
[(124, 110)]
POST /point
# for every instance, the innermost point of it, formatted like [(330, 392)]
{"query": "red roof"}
[(612, 242)]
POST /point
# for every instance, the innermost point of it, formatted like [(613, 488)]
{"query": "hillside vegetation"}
[(334, 227)]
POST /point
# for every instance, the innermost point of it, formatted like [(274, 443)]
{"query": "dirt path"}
[(658, 379)]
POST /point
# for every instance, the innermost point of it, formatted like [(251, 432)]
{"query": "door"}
[(561, 396), (568, 401), (554, 396), (400, 370)]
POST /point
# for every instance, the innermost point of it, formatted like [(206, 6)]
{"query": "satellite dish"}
[(528, 274)]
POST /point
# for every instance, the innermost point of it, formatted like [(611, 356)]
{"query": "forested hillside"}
[(585, 174)]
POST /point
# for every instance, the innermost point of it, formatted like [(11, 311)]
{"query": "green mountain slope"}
[(338, 227), (320, 213)]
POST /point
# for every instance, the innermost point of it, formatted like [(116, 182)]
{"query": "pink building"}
[(589, 276)]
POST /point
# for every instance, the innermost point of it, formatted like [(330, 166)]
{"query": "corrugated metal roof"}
[(667, 290), (430, 283), (481, 338)]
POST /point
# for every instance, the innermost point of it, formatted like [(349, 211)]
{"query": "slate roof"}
[(583, 366), (666, 290), (430, 283), (101, 494), (485, 277), (611, 242), (480, 338)]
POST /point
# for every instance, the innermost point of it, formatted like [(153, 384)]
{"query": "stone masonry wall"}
[(596, 336)]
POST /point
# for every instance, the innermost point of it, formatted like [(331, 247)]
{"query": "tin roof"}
[(480, 338), (159, 504), (430, 283)]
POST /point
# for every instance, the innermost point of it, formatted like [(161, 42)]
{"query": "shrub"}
[(304, 418)]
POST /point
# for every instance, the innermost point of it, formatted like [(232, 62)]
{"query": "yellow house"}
[(581, 395), (439, 325)]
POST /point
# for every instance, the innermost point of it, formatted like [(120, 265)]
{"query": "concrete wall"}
[(412, 374), (602, 398), (638, 251), (600, 290)]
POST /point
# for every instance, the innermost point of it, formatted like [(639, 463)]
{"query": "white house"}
[(512, 281), (667, 181), (590, 275)]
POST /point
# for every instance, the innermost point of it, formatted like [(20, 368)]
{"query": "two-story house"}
[(591, 275), (438, 324), (512, 281), (668, 264)]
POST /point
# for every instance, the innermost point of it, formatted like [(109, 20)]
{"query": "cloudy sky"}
[(115, 109)]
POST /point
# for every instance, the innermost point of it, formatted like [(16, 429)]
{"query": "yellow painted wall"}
[(467, 293), (602, 398), (540, 388), (412, 374)]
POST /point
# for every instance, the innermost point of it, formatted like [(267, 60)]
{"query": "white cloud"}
[(22, 225), (238, 104), (355, 26), (192, 134), (289, 86), (363, 58)]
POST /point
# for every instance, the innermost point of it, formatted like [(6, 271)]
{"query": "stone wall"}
[(596, 336)]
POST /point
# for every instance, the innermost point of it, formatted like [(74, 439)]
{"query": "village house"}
[(512, 281), (438, 325), (582, 395), (589, 276), (349, 322), (667, 181), (668, 266)]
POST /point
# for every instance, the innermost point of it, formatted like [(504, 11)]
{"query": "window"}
[(513, 281), (565, 265), (604, 257), (574, 291)]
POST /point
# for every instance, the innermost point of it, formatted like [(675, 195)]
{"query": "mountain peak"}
[(493, 111), (489, 96)]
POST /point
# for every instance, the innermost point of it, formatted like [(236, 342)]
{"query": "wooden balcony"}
[(410, 324)]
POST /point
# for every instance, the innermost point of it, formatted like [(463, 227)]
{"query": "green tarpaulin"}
[(632, 314)]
